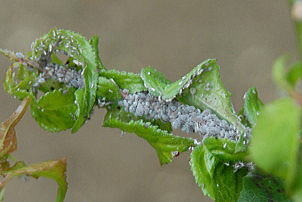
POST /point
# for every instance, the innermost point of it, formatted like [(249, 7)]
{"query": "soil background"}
[(170, 35)]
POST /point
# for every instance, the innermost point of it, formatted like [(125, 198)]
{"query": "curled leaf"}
[(201, 88), (50, 169), (94, 41), (19, 80), (8, 141), (83, 55)]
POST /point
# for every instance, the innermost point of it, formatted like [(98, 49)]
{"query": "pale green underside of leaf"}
[(275, 142), (163, 142)]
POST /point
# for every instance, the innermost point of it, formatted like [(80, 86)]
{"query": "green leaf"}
[(56, 59), (262, 189), (203, 165), (202, 88), (81, 112), (165, 144), (158, 85), (224, 149), (252, 105), (94, 41), (55, 111), (19, 80), (279, 74), (275, 142), (162, 125), (243, 118), (294, 74), (287, 80), (207, 92), (217, 178), (154, 81), (176, 88), (81, 52), (228, 182), (296, 189), (50, 169), (108, 90), (125, 80)]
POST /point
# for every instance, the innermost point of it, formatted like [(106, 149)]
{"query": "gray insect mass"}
[(184, 117), (60, 73)]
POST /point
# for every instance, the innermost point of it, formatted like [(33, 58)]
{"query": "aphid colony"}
[(60, 73), (184, 117), (53, 71)]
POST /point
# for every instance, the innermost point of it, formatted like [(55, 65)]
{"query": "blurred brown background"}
[(171, 35)]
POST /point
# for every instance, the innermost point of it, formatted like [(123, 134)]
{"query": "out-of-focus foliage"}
[(263, 163)]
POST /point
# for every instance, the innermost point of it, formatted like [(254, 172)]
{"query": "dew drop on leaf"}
[(192, 91)]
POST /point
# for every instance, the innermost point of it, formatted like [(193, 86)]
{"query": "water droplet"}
[(208, 87), (192, 91), (196, 142)]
